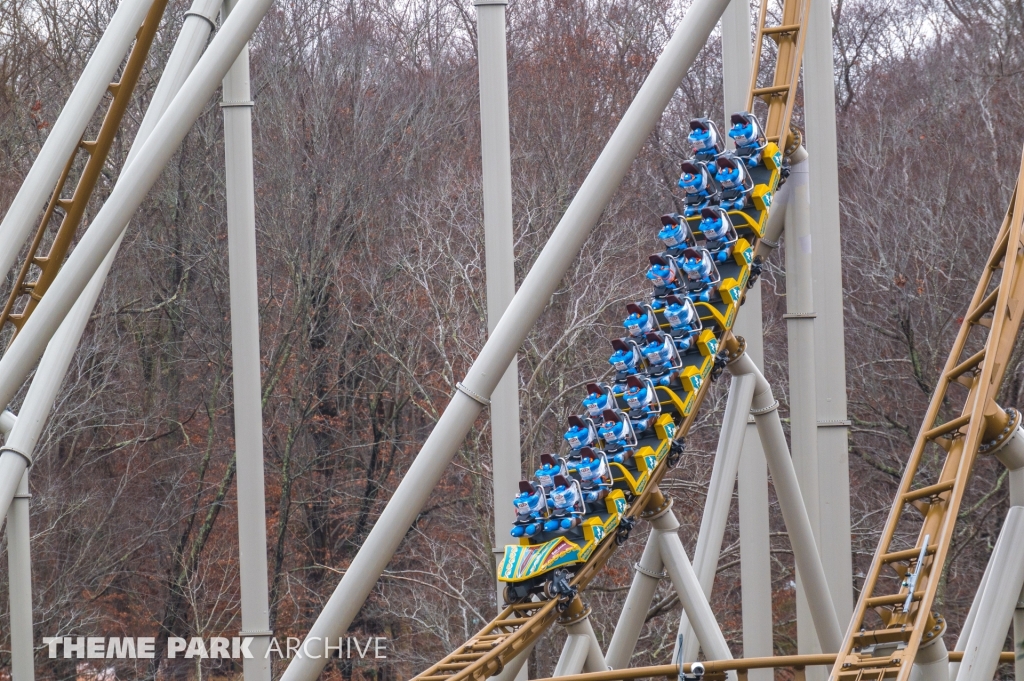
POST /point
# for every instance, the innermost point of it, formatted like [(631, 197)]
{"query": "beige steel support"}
[(829, 346), (582, 650), (803, 419), (648, 572), (19, 565), (239, 191), (755, 557), (516, 665), (996, 609), (496, 159), (719, 498), (764, 407), (932, 662), (680, 571), (1011, 454)]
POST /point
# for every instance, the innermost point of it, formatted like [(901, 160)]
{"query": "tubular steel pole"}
[(829, 345), (752, 485), (19, 565), (802, 406), (765, 407), (135, 181), (719, 499), (691, 597), (527, 305), (67, 131), (1011, 455), (245, 354), (995, 610), (649, 571), (496, 157), (16, 453)]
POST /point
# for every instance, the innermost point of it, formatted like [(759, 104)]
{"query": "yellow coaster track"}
[(31, 291), (894, 616), (519, 625)]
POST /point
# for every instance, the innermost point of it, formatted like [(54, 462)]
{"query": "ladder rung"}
[(965, 366), (947, 427), (773, 90), (893, 599), (451, 667), (983, 307), (511, 622), (112, 88), (89, 146), (785, 28), (434, 677), (897, 556), (929, 491), (469, 657), (65, 203)]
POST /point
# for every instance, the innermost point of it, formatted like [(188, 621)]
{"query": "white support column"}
[(829, 347), (764, 407), (245, 354), (529, 302), (802, 407), (931, 662), (691, 597), (719, 499), (67, 130), (755, 556), (19, 565), (581, 652), (648, 572), (515, 665), (1011, 455), (997, 604), (496, 157)]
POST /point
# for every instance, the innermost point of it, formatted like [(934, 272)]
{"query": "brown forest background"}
[(371, 253)]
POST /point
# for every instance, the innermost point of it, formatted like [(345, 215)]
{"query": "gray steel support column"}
[(691, 597), (997, 604), (60, 350), (7, 421), (512, 669), (829, 347), (23, 214), (19, 565), (802, 404), (719, 498), (245, 357), (972, 615), (752, 493), (648, 572), (765, 407), (133, 184), (496, 161), (931, 662), (531, 299), (573, 657), (755, 550), (1011, 455)]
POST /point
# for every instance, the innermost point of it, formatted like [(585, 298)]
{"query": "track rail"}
[(887, 650), (73, 209), (518, 626)]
